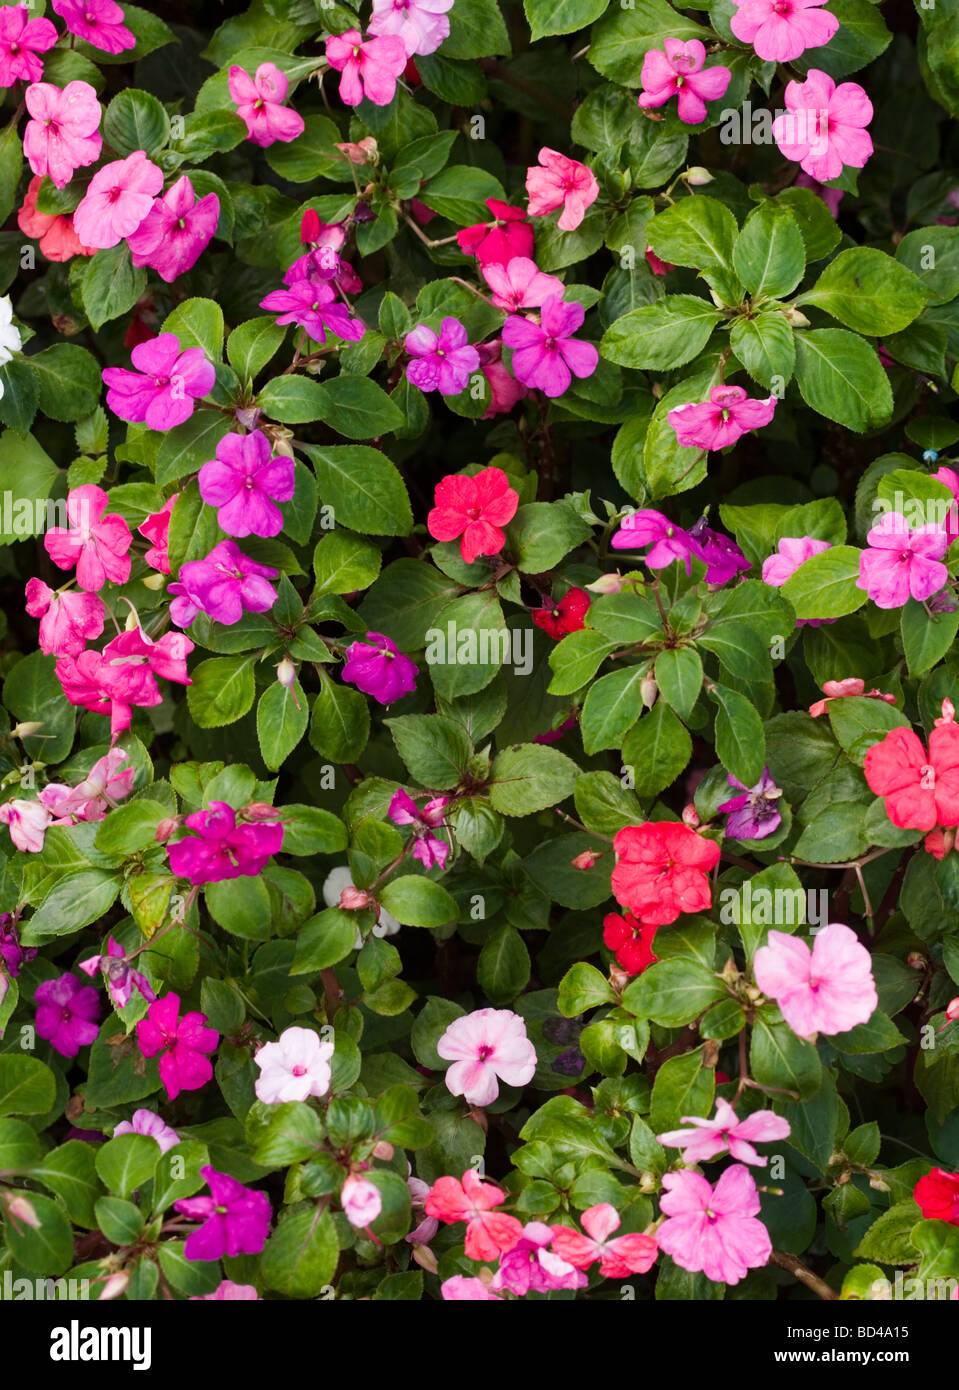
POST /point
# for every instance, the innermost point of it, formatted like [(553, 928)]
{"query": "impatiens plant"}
[(479, 508)]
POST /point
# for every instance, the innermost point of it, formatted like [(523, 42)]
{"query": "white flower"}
[(9, 333), (294, 1067), (336, 881)]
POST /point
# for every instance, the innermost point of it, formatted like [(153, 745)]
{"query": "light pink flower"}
[(96, 543), (63, 135), (104, 785), (175, 231), (485, 1047), (420, 24), (118, 199), (829, 989), (27, 822), (725, 1130), (361, 1201), (780, 30), (146, 1122), (725, 417), (259, 103), (560, 182), (714, 1229), (520, 284), (460, 1288), (823, 126), (294, 1067), (793, 551), (369, 67), (900, 562), (950, 479), (226, 1292), (68, 621), (679, 72)]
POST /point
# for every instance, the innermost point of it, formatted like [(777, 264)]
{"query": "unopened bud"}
[(878, 1184), (282, 440), (286, 672), (65, 324), (353, 899), (948, 713), (115, 1285), (648, 1182), (916, 960), (20, 1208), (310, 226), (697, 176), (154, 581), (425, 1258), (606, 584), (30, 726), (258, 810), (794, 317), (648, 691), (587, 859), (165, 829), (690, 816), (248, 416), (383, 1150), (618, 978), (753, 994), (952, 1010)]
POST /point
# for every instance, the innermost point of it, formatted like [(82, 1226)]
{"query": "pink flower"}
[(725, 1130), (420, 24), (313, 305), (714, 1229), (63, 135), (823, 126), (560, 182), (518, 284), (164, 389), (226, 1292), (369, 68), (488, 1232), (780, 30), (222, 849), (667, 542), (224, 585), (111, 682), (793, 551), (361, 1201), (99, 22), (68, 621), (181, 1042), (119, 974), (27, 822), (679, 72), (117, 200), (498, 242), (67, 1013), (156, 529), (54, 231), (175, 231), (428, 848), (97, 543), (104, 785), (460, 1288), (618, 1258), (531, 1265), (236, 1220), (22, 39), (245, 482), (545, 354), (504, 390), (725, 417), (440, 362), (838, 690), (259, 103), (294, 1067), (473, 510), (486, 1046), (380, 669), (950, 479), (901, 563), (146, 1122), (829, 989)]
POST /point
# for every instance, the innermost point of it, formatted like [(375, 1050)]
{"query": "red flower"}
[(921, 790), (662, 870), (473, 509), (631, 942), (657, 266), (499, 241), (558, 619), (938, 1196)]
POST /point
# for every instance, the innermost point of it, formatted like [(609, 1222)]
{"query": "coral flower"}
[(560, 182), (662, 870), (54, 231), (474, 510), (921, 789), (488, 1232)]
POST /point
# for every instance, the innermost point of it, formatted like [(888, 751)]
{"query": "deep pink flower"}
[(667, 542), (420, 24), (679, 72), (723, 557), (156, 529), (518, 284), (68, 621), (224, 585), (259, 103), (379, 668), (96, 541), (634, 1254), (181, 1042), (504, 390), (714, 1229), (67, 1013), (710, 1138), (486, 1046), (12, 954), (824, 126), (369, 67), (27, 822), (950, 479), (164, 389), (560, 182), (236, 1219), (900, 563), (111, 682), (117, 200), (245, 482), (22, 40), (440, 362), (63, 135), (545, 354), (146, 1122), (175, 231), (119, 974), (99, 22), (829, 989), (780, 30), (221, 848), (314, 306), (428, 848), (499, 241), (531, 1265), (107, 783), (725, 417)]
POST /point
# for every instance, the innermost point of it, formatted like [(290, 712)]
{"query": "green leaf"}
[(926, 639), (343, 563), (841, 376), (503, 968), (135, 120), (779, 1058), (359, 409), (740, 740), (312, 155), (673, 993), (656, 750), (295, 400), (198, 323), (363, 487), (222, 691), (70, 1172), (27, 1086), (282, 715), (75, 901), (340, 722), (541, 533), (566, 17), (67, 381), (324, 940), (697, 231), (300, 1257), (435, 749), (582, 988), (683, 1086), (416, 901), (111, 285), (825, 585), (661, 335), (283, 1134), (611, 708), (46, 1249), (241, 906), (764, 345), (126, 1163), (530, 777), (251, 345), (868, 291), (621, 39), (130, 828), (679, 675), (769, 256)]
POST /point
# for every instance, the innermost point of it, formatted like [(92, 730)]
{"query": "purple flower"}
[(162, 391), (146, 1122), (380, 669), (667, 541), (245, 482), (755, 814), (313, 305), (220, 848), (723, 557), (901, 563), (236, 1220), (440, 363), (67, 1011), (14, 955), (225, 585), (429, 849), (119, 974), (545, 354)]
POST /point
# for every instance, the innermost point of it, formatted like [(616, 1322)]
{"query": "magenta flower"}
[(99, 22), (12, 954), (224, 585), (780, 30), (236, 1220), (369, 68), (545, 354), (667, 542), (724, 559), (313, 305), (156, 529), (181, 1043), (27, 822), (111, 682), (222, 849), (361, 1201), (725, 417), (96, 541), (164, 389), (68, 621), (755, 814), (823, 126), (829, 989), (714, 1229), (679, 72), (508, 237), (175, 231), (259, 104), (429, 849), (519, 284), (901, 563), (380, 669), (420, 24), (22, 39), (486, 1046), (67, 1013), (440, 363), (560, 182), (530, 1265), (950, 479), (119, 974), (146, 1122), (103, 787), (245, 482), (709, 1138), (63, 135), (294, 1067)]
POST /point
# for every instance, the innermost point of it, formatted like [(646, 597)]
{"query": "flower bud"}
[(878, 1184), (259, 810), (648, 691), (425, 1258), (952, 1010), (690, 816), (618, 978), (165, 829), (383, 1150), (286, 672), (606, 584), (948, 713), (154, 581), (916, 960), (31, 726), (587, 859), (115, 1285), (794, 317), (281, 440), (697, 176), (309, 226), (248, 416), (353, 899), (20, 1208)]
